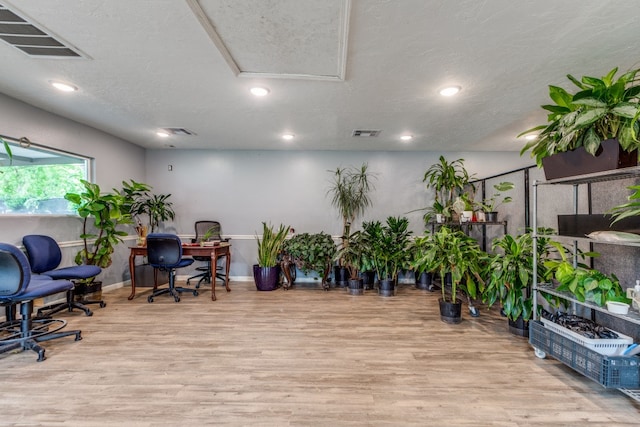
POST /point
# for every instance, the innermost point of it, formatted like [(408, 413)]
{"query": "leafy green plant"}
[(491, 204), (311, 252), (629, 209), (141, 201), (105, 212), (511, 273), (603, 108), (270, 245), (452, 251), (390, 247), (7, 149), (584, 283), (448, 180)]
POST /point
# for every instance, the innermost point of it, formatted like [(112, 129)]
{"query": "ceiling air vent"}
[(179, 131), (366, 133), (30, 39)]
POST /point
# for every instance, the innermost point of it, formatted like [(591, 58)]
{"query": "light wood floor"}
[(303, 357)]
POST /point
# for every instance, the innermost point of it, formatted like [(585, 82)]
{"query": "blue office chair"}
[(19, 287), (164, 252), (45, 256), (212, 230)]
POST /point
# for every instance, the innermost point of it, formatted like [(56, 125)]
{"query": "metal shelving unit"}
[(575, 181)]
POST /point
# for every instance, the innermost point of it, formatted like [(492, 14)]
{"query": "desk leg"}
[(226, 273), (214, 260), (132, 272)]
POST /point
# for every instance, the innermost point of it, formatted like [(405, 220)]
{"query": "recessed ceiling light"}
[(450, 91), (406, 137), (162, 134), (64, 87), (288, 136), (259, 91)]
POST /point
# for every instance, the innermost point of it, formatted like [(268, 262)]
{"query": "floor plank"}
[(301, 357)]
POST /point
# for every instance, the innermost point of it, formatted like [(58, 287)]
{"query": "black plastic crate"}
[(609, 371)]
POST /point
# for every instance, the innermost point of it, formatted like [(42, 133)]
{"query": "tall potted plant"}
[(599, 120), (266, 272), (390, 251), (511, 278), (454, 253), (350, 195)]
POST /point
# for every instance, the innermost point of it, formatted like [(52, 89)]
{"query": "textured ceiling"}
[(332, 66)]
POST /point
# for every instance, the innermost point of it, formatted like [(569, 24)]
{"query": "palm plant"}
[(602, 109), (140, 201), (390, 247), (350, 195)]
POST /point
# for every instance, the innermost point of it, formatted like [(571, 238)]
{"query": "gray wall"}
[(243, 188)]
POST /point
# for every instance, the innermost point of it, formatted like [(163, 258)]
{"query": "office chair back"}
[(15, 273), (164, 250), (202, 227), (43, 252)]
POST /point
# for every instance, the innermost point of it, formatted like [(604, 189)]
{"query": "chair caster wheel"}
[(176, 299), (150, 299), (103, 304), (195, 293)]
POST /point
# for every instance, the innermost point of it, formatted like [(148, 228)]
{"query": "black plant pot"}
[(450, 312), (356, 287), (424, 281), (88, 291), (368, 279), (387, 288), (491, 216), (266, 278), (519, 327), (341, 276)]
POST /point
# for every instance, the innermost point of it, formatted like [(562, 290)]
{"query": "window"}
[(36, 178)]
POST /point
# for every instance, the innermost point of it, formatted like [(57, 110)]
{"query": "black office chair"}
[(19, 287), (45, 256), (211, 232), (164, 252)]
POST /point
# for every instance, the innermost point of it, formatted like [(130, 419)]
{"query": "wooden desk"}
[(221, 250)]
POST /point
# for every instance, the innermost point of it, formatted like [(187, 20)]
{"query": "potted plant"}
[(511, 277), (454, 253), (490, 204), (308, 252), (140, 201), (267, 271), (390, 252), (101, 215), (603, 109), (350, 196), (421, 263), (584, 283), (448, 180)]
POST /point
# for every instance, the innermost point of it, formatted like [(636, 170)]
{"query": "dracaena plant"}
[(602, 108)]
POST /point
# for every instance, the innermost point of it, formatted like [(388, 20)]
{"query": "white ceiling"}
[(332, 66)]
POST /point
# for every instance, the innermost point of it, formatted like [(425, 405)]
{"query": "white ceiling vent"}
[(366, 133), (179, 131), (18, 32)]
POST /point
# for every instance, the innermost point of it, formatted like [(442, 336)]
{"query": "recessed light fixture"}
[(162, 134), (288, 136), (259, 91), (450, 91), (64, 87), (406, 137)]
